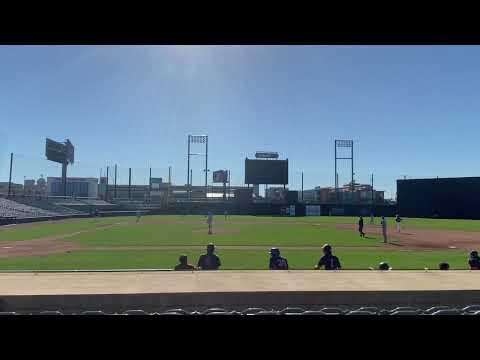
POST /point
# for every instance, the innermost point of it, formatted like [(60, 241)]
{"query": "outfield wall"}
[(448, 198)]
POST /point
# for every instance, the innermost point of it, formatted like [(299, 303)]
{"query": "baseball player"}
[(372, 219), (329, 261), (398, 220), (209, 222), (139, 215), (277, 262), (474, 260), (209, 261), (226, 214), (184, 265), (360, 227), (384, 229)]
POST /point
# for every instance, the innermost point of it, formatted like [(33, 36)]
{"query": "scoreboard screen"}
[(59, 152), (266, 172), (55, 151)]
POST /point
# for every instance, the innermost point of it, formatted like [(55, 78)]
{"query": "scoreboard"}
[(59, 152), (269, 172)]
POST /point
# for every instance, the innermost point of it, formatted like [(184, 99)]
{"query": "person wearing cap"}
[(184, 265), (474, 260), (276, 261), (209, 261), (328, 260), (383, 266)]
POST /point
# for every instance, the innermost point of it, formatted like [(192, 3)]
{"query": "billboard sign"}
[(70, 151), (55, 151), (220, 176), (266, 155), (59, 152)]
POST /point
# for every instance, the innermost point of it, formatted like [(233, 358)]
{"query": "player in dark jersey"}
[(328, 260), (276, 261), (184, 265), (360, 227), (209, 261), (474, 261)]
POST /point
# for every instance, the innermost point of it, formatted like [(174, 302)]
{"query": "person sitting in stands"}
[(474, 261), (329, 261), (209, 261), (443, 266), (184, 265), (276, 261)]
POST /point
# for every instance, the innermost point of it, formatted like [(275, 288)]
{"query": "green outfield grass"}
[(232, 259), (245, 232)]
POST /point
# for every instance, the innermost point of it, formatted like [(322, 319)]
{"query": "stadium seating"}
[(367, 310), (25, 207), (289, 311)]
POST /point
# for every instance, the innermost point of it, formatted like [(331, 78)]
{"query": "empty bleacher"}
[(14, 209)]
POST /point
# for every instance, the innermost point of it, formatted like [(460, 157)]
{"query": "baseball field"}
[(242, 242)]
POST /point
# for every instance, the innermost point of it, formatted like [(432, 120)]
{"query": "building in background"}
[(15, 189), (256, 190), (275, 193), (29, 187), (360, 194), (76, 187)]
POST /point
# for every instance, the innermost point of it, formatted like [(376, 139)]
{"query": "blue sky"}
[(411, 110)]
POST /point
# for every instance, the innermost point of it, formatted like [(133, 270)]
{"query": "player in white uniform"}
[(398, 219), (209, 222)]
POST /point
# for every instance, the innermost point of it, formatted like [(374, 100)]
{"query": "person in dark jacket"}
[(360, 227), (474, 261), (328, 260), (276, 261), (443, 266), (184, 265), (209, 261)]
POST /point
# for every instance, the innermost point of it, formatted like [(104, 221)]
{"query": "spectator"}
[(329, 261), (383, 265), (184, 265), (360, 227), (209, 261), (443, 266), (474, 261), (276, 261)]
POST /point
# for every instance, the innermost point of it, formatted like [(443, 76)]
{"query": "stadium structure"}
[(57, 197)]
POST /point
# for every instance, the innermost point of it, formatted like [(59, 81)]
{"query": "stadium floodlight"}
[(347, 144), (344, 143), (197, 139)]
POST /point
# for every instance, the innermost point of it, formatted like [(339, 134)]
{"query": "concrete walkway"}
[(65, 283)]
